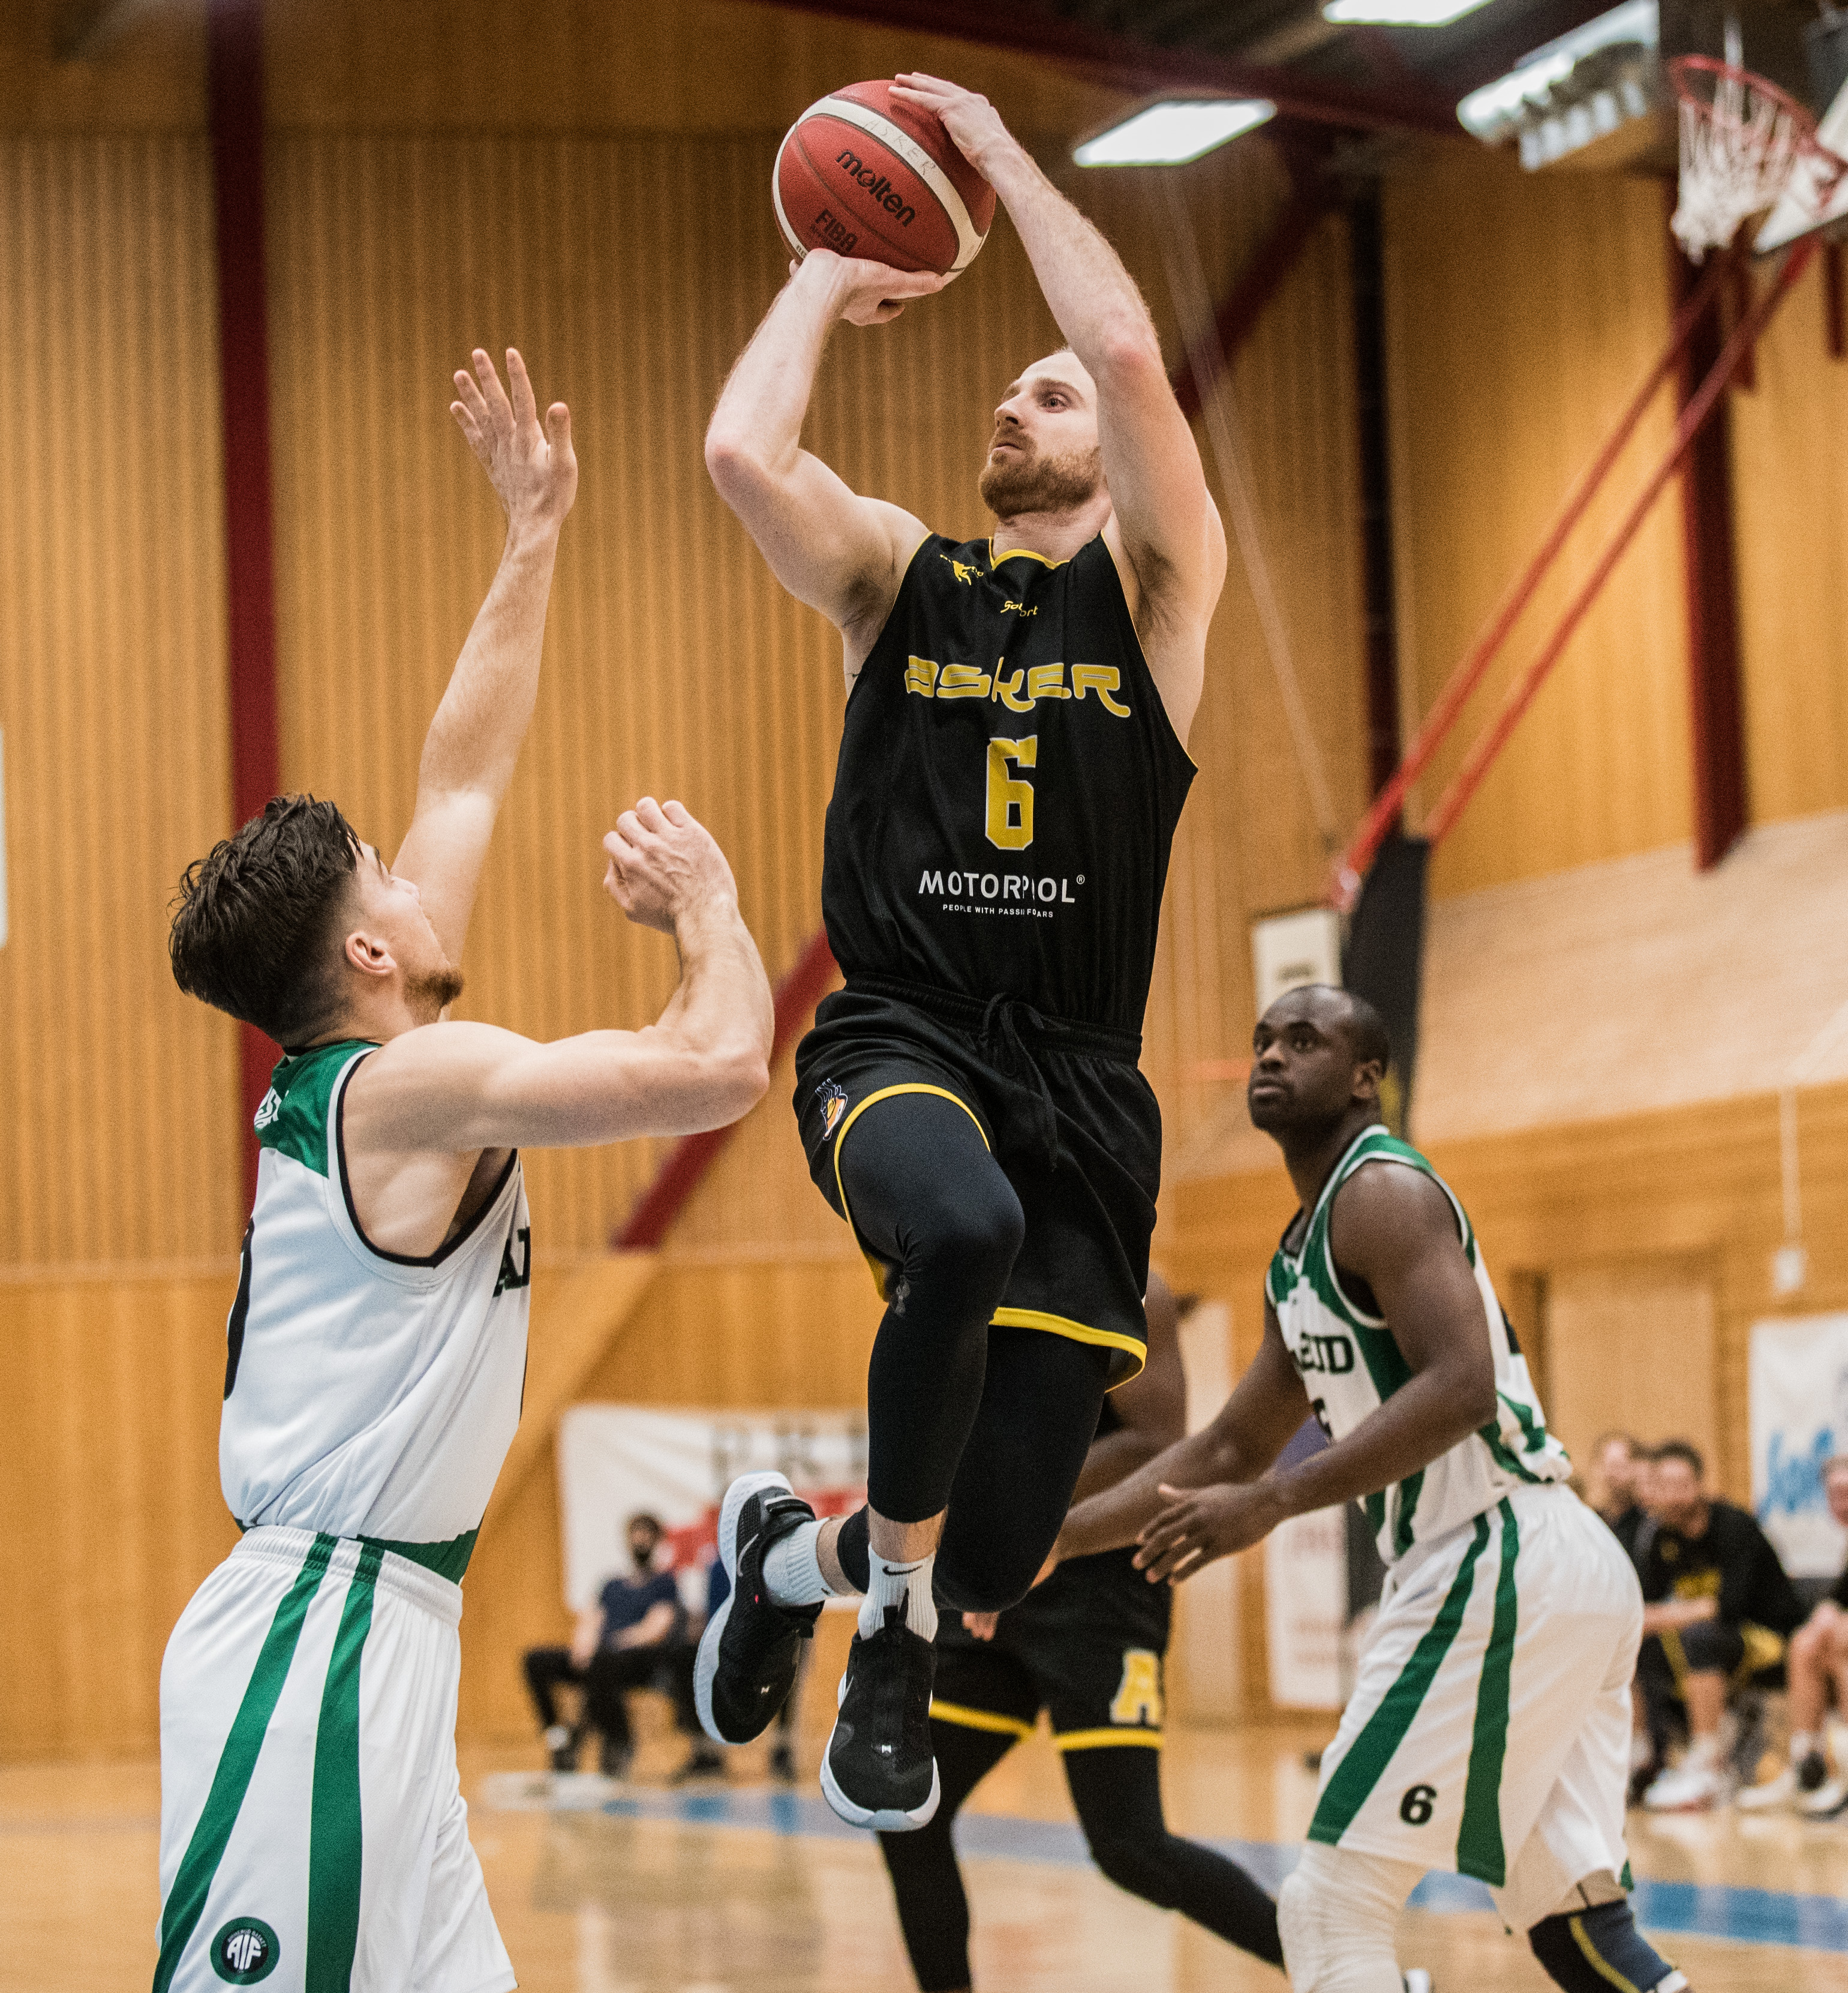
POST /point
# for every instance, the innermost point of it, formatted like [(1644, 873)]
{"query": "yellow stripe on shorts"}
[(978, 1719), (1096, 1740)]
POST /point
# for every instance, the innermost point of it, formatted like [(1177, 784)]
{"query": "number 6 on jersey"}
[(1010, 800)]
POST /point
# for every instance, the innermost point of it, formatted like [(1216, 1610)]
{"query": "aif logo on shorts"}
[(245, 1951)]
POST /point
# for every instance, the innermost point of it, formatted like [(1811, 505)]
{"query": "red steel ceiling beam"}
[(1351, 868), (1132, 65), (1709, 576), (234, 97), (1695, 414)]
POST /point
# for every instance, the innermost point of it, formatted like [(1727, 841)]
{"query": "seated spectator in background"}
[(1618, 1464), (1717, 1610), (1817, 1665), (635, 1636)]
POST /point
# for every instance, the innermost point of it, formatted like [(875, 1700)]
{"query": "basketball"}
[(864, 177)]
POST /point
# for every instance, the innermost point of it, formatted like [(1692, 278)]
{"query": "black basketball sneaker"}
[(878, 1770), (746, 1662)]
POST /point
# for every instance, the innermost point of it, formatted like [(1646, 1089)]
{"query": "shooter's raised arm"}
[(1168, 528), (474, 740), (838, 552)]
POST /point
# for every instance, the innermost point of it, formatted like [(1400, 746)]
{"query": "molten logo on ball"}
[(879, 186), (865, 176)]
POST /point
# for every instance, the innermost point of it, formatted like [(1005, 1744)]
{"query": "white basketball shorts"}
[(312, 1831), (1489, 1731)]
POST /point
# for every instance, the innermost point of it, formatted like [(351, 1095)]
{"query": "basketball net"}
[(1742, 138)]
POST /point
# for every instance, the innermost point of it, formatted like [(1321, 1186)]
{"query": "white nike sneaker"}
[(1417, 1980), (1781, 1791), (1829, 1799), (1687, 1789)]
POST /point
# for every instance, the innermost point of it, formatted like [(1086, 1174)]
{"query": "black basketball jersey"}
[(1007, 790)]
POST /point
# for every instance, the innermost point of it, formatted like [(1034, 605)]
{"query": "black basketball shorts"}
[(1087, 1647), (1062, 1108)]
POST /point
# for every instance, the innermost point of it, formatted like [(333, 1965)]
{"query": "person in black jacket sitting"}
[(634, 1636), (1717, 1612)]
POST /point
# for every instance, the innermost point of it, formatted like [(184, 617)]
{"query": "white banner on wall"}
[(617, 1460), (1799, 1420), (1305, 1598)]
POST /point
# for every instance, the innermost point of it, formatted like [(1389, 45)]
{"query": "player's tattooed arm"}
[(840, 553), (1252, 1427), (1165, 527), (475, 738), (1394, 1230)]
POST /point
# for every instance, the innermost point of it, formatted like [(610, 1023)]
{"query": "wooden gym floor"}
[(743, 1885)]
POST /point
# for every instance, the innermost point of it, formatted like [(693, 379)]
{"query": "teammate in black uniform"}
[(1012, 766), (1087, 1647)]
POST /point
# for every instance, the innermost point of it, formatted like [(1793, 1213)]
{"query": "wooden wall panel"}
[(713, 65), (150, 77), (118, 1141), (109, 1484), (1791, 515), (1523, 312)]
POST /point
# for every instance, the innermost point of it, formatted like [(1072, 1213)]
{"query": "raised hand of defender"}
[(664, 864), (864, 292), (974, 124), (1200, 1524), (533, 469)]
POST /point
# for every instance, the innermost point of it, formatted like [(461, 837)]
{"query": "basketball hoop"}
[(1742, 138)]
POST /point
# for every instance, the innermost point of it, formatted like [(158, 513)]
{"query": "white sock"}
[(792, 1571), (1703, 1754), (894, 1583), (1801, 1743)]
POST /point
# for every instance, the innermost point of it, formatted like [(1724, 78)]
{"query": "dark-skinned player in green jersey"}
[(1012, 765), (1489, 1730)]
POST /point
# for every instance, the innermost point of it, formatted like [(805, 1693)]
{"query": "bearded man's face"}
[(1043, 456)]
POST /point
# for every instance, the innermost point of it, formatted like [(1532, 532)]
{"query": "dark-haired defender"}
[(1011, 768), (313, 1829), (1489, 1731), (1087, 1647)]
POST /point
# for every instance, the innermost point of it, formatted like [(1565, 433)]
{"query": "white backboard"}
[(1802, 206), (1289, 950)]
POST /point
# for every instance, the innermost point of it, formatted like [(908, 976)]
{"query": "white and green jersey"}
[(366, 1394), (1350, 1366)]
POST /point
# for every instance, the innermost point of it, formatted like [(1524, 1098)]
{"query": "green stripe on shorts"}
[(1479, 1850), (335, 1841), (1352, 1785), (186, 1902)]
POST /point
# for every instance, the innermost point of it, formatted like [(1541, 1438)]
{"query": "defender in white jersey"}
[(1488, 1732), (314, 1835)]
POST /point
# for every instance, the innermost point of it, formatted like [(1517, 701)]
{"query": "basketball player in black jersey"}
[(1011, 768), (1087, 1647)]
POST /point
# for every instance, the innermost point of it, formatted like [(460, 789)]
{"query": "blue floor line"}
[(1695, 1909)]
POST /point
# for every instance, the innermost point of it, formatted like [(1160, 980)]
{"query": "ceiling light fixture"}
[(1174, 130), (1398, 13), (1574, 91)]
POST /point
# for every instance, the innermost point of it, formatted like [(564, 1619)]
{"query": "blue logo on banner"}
[(1793, 1479)]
